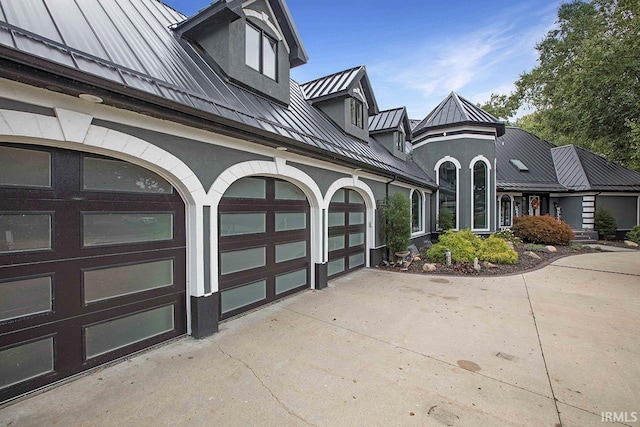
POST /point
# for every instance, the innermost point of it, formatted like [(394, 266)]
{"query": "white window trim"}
[(483, 159), (511, 201), (422, 214), (437, 170)]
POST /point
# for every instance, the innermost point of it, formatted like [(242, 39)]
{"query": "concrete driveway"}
[(558, 346)]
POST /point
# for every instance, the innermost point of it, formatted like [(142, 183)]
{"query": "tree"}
[(586, 86), (605, 224), (396, 222)]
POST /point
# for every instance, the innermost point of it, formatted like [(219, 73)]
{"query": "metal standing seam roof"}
[(582, 170), (454, 109), (535, 153), (388, 119), (130, 43), (334, 84)]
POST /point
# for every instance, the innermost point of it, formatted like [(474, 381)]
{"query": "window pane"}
[(126, 280), (447, 192), (290, 221), (235, 224), (288, 191), (25, 168), (336, 266), (355, 198), (356, 260), (505, 213), (289, 281), (416, 212), (336, 242), (246, 259), (115, 175), (244, 295), (252, 48), (356, 218), (247, 188), (115, 334), (21, 363), (269, 52), (25, 232), (356, 239), (112, 229), (289, 251), (20, 298), (338, 197), (480, 195), (336, 219)]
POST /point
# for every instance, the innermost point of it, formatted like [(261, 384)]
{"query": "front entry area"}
[(264, 243), (92, 263)]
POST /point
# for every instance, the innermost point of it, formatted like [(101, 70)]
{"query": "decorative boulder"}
[(476, 264), (550, 249), (630, 244), (416, 258), (427, 244), (413, 249), (487, 264), (429, 267), (532, 255)]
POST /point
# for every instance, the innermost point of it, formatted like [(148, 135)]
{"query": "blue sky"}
[(418, 51)]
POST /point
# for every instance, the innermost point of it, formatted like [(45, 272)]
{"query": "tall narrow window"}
[(505, 211), (261, 51), (357, 112), (447, 194), (400, 138), (416, 212), (480, 220)]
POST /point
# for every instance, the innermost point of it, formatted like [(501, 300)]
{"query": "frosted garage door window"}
[(246, 259), (292, 280), (287, 191), (289, 251), (109, 336), (25, 232), (115, 175), (336, 242), (19, 298), (247, 188), (356, 260), (286, 221), (356, 239), (24, 362), (126, 280), (356, 218), (243, 296), (25, 168), (116, 228), (336, 266), (236, 224), (336, 219)]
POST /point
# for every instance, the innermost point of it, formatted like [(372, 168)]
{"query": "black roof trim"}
[(220, 11)]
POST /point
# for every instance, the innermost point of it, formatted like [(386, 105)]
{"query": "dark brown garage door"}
[(264, 243), (92, 263), (347, 232)]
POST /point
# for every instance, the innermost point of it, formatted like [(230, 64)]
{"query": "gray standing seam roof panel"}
[(569, 168), (389, 119)]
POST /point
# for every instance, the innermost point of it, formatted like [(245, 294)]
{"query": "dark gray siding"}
[(322, 177), (572, 211), (388, 141), (624, 209)]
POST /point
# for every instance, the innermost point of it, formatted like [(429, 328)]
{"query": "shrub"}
[(396, 222), (605, 224), (495, 249), (542, 229), (634, 234), (463, 246), (508, 236), (445, 219)]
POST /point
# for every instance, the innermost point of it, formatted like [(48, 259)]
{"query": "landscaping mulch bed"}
[(524, 263)]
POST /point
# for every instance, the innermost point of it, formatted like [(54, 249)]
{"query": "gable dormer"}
[(392, 129), (346, 97), (252, 43)]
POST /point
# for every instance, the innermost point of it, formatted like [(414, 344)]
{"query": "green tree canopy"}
[(586, 86)]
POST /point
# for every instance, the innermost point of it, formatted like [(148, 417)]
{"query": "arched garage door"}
[(347, 232), (264, 250), (92, 263)]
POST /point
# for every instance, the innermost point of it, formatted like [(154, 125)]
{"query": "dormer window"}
[(261, 51), (357, 112), (400, 139)]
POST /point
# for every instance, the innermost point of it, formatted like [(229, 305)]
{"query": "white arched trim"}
[(277, 169), (437, 171), (73, 130), (422, 210), (488, 196), (364, 190)]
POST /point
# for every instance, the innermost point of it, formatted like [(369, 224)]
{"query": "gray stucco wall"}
[(572, 211), (205, 160), (339, 111), (388, 141), (463, 150), (624, 209), (322, 177)]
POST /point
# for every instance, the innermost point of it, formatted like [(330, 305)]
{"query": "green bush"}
[(495, 249), (507, 235), (396, 222), (445, 219), (634, 234), (542, 229), (605, 224), (463, 246)]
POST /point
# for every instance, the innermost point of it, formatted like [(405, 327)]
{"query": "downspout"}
[(386, 197)]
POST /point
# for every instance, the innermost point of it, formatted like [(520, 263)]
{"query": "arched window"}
[(448, 194), (480, 193), (416, 212), (505, 211)]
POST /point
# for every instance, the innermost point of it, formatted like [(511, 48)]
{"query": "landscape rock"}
[(417, 258), (532, 255), (510, 244), (550, 249), (427, 244), (489, 265), (429, 267), (476, 264), (630, 244), (413, 249)]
